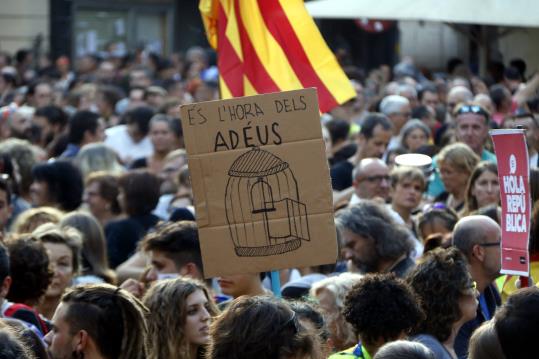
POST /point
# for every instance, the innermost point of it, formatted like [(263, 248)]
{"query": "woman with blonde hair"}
[(32, 218), (94, 264), (330, 293), (179, 319), (455, 164)]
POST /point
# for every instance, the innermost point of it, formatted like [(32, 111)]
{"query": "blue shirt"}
[(70, 151)]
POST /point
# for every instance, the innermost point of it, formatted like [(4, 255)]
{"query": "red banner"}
[(513, 173)]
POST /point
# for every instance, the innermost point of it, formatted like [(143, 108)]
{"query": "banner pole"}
[(276, 283), (524, 283)]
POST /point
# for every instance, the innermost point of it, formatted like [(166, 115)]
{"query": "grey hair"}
[(404, 349), (412, 125), (371, 220), (392, 104), (338, 285), (463, 91), (405, 88), (24, 111)]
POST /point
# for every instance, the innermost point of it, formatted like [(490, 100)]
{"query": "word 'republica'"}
[(515, 197)]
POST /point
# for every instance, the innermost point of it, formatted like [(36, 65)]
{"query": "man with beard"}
[(373, 241), (20, 123), (479, 239)]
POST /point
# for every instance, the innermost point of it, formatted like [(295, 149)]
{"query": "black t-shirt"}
[(139, 163), (343, 154), (123, 235)]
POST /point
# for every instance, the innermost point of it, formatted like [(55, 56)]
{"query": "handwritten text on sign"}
[(513, 173), (515, 218), (253, 134), (252, 161)]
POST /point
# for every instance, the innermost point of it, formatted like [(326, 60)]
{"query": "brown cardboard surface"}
[(261, 183)]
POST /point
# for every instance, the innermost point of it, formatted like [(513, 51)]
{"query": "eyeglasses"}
[(470, 289), (473, 285), (377, 179), (491, 244), (472, 109)]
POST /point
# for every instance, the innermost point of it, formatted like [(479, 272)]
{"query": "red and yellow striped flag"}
[(272, 45)]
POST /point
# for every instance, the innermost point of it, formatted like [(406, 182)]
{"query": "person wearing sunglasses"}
[(370, 180), (479, 239), (471, 128)]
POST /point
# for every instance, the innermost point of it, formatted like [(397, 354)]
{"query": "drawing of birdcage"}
[(263, 210)]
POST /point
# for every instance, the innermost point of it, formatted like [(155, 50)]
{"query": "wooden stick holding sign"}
[(261, 183), (275, 283)]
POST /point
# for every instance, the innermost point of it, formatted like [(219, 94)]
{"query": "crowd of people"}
[(99, 250)]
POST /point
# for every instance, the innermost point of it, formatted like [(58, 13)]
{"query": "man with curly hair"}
[(31, 276), (381, 308)]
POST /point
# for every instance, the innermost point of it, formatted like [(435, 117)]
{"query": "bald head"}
[(472, 230), (366, 165), (458, 95), (371, 179)]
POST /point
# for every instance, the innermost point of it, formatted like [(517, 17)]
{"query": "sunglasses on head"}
[(472, 109)]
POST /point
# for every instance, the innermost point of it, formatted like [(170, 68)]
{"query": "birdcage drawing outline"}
[(263, 209)]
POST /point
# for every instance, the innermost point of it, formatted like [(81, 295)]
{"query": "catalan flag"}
[(272, 45)]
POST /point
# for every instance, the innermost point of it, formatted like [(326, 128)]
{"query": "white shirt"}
[(119, 140)]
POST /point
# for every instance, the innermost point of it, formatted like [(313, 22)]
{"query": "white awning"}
[(521, 13)]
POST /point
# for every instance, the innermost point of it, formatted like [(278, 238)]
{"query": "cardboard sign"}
[(513, 174), (261, 183)]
